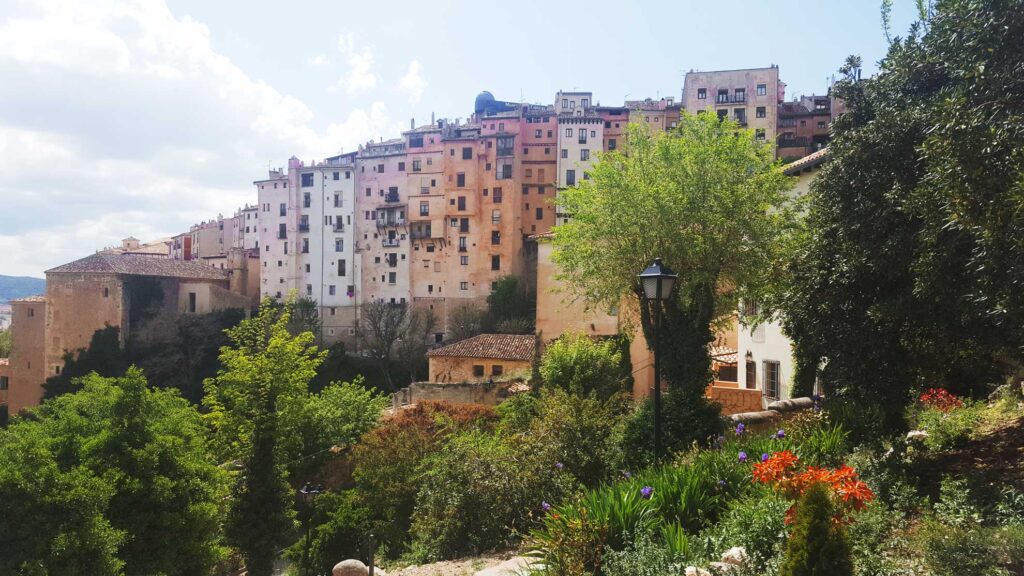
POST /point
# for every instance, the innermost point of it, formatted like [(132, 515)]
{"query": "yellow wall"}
[(558, 311), (452, 369), (28, 355)]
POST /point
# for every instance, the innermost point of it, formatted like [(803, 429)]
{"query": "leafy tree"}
[(265, 370), (709, 200), (115, 479), (304, 316), (5, 343), (381, 325), (581, 365), (340, 527), (817, 546), (911, 264), (512, 305), (104, 356)]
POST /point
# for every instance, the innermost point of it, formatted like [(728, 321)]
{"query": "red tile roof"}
[(497, 346), (140, 265), (809, 161)]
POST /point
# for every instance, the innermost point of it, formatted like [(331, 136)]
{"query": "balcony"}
[(390, 242), (420, 234), (304, 227), (390, 222), (339, 227), (733, 99), (392, 197), (281, 235)]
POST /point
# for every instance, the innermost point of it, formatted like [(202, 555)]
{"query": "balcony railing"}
[(392, 197), (419, 234), (386, 222), (463, 249), (304, 227), (339, 227), (731, 99), (390, 242), (281, 235)]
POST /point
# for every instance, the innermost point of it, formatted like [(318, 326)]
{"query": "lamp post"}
[(657, 281), (308, 492)]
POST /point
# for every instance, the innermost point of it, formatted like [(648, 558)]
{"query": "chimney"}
[(412, 123), (431, 117)]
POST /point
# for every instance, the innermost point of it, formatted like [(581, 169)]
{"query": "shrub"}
[(685, 421), (823, 446), (951, 550), (950, 429), (479, 492), (516, 413), (342, 524), (581, 433), (940, 399), (956, 505), (580, 365), (817, 545), (643, 558), (756, 522), (387, 459)]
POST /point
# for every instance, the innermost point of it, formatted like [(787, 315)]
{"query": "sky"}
[(140, 117)]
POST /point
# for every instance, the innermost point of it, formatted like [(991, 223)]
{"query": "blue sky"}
[(139, 117)]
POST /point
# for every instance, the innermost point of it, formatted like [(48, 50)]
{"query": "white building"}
[(765, 354), (580, 135)]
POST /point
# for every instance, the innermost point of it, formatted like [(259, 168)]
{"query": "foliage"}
[(517, 413), (581, 433), (114, 479), (972, 549), (823, 446), (303, 316), (412, 346), (779, 470), (756, 522), (342, 524), (685, 420), (465, 320), (479, 491), (949, 429), (580, 365), (817, 545), (5, 343), (910, 265), (266, 370), (511, 303), (387, 459), (644, 557), (940, 399)]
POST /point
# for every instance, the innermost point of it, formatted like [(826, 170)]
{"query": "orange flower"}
[(774, 468)]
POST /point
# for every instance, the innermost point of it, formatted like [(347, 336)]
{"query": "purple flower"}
[(559, 465), (626, 474), (781, 433), (743, 456), (545, 506), (723, 483), (719, 442), (740, 428), (764, 457), (816, 398), (646, 492)]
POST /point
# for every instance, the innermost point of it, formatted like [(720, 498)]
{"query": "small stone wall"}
[(774, 411), (488, 393), (735, 400)]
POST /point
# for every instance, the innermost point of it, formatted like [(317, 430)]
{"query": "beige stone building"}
[(104, 289), (483, 358), (750, 96)]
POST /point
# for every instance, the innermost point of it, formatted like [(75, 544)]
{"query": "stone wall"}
[(736, 400), (453, 369), (490, 394)]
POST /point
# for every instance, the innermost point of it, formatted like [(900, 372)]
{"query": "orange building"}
[(483, 358), (382, 241)]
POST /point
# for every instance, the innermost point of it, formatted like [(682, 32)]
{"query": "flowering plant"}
[(781, 470), (940, 399)]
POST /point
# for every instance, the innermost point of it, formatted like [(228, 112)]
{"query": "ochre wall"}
[(77, 307), (558, 311), (736, 400), (450, 369), (28, 355)]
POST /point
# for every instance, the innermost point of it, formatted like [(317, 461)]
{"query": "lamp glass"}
[(650, 284)]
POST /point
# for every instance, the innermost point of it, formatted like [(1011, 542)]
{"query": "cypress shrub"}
[(817, 546)]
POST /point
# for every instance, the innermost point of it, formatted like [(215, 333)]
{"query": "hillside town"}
[(736, 330)]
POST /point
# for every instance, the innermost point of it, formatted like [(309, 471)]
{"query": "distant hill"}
[(12, 287)]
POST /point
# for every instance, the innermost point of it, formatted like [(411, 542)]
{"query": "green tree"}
[(264, 371), (912, 260), (103, 356), (5, 343), (114, 479), (706, 197), (817, 545), (511, 305), (580, 365), (381, 325)]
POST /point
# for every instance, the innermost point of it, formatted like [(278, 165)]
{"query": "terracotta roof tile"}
[(497, 346), (139, 265), (808, 161)]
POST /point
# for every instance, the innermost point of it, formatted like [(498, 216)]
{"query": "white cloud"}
[(118, 119), (413, 82), (319, 60), (359, 75)]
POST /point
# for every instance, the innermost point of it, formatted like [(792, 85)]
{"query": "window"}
[(284, 209), (565, 102), (3, 383), (584, 155), (464, 260), (803, 122), (506, 145), (106, 292), (191, 302), (465, 286), (723, 95), (568, 132), (702, 93), (495, 237), (462, 203), (565, 154), (282, 231), (467, 153), (380, 168), (424, 208), (305, 245), (505, 170), (759, 134), (740, 114), (478, 370), (762, 89), (771, 379), (751, 375), (460, 180), (739, 95), (526, 189), (821, 123), (339, 244), (540, 213), (341, 267), (538, 133), (392, 277), (415, 141), (497, 195), (496, 262), (307, 180), (570, 177), (611, 143), (31, 312), (497, 369), (583, 137), (529, 172), (464, 225), (401, 166), (330, 290), (585, 102), (462, 243), (723, 114), (540, 175), (417, 165), (760, 112)]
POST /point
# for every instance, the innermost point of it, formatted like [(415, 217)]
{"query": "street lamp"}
[(308, 492), (657, 281)]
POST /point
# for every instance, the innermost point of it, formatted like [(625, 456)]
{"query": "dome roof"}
[(484, 100)]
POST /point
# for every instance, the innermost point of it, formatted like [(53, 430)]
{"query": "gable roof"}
[(139, 265), (809, 161), (497, 346)]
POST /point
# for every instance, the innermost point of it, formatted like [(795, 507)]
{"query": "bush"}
[(581, 433), (517, 413), (387, 459), (342, 524), (479, 492), (952, 550), (685, 421), (823, 446), (952, 428), (756, 522), (580, 365), (817, 546), (643, 558)]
